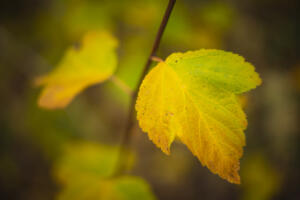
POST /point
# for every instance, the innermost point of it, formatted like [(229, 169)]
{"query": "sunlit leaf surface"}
[(192, 96)]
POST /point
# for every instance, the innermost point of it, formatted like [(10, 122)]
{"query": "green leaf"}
[(192, 96), (86, 159), (85, 171), (121, 188), (132, 188)]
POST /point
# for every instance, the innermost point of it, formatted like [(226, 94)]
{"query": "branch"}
[(121, 167)]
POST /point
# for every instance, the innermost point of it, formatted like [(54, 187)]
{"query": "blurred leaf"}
[(86, 170), (260, 180), (86, 159), (94, 62), (193, 96), (132, 188), (122, 188)]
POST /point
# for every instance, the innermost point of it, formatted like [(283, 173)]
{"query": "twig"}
[(123, 86), (121, 166), (156, 59)]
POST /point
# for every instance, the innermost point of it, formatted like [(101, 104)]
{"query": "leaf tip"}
[(166, 150), (51, 98), (259, 80), (233, 175), (235, 180), (164, 143)]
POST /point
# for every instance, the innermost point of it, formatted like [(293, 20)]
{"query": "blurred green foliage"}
[(86, 171), (34, 35)]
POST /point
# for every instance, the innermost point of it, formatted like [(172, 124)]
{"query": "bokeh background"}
[(33, 37)]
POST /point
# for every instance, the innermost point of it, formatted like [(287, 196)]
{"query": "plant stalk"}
[(125, 143)]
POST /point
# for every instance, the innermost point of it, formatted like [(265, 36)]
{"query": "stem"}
[(121, 167), (121, 85)]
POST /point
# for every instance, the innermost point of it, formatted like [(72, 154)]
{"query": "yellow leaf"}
[(93, 62), (244, 100), (192, 96)]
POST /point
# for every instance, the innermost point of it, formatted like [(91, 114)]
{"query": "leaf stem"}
[(125, 88), (156, 59), (125, 143)]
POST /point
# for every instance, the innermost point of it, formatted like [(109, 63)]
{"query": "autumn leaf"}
[(85, 171), (193, 96), (120, 188), (86, 159), (94, 61)]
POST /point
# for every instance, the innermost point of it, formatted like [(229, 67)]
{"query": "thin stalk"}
[(125, 143)]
